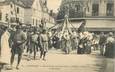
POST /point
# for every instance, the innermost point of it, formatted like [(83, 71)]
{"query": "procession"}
[(78, 37), (17, 40)]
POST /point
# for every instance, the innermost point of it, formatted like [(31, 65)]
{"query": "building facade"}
[(24, 11), (94, 12), (41, 13), (11, 12)]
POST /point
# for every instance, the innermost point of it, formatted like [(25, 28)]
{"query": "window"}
[(95, 9), (110, 9), (11, 6), (18, 10), (6, 17), (33, 21), (11, 13), (36, 22), (0, 15), (77, 8), (17, 20)]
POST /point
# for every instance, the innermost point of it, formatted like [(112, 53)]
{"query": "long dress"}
[(109, 50), (5, 49)]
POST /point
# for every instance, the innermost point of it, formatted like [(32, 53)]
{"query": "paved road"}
[(58, 62)]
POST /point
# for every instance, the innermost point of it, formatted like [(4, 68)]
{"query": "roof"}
[(23, 3), (27, 3), (5, 2)]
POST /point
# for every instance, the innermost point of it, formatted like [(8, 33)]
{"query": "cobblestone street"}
[(58, 62)]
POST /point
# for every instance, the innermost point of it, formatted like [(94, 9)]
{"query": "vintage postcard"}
[(57, 35)]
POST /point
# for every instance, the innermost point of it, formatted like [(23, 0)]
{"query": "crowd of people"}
[(15, 40)]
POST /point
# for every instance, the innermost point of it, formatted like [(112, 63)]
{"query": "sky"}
[(53, 4)]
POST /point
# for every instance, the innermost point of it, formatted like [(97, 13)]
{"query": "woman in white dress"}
[(5, 49)]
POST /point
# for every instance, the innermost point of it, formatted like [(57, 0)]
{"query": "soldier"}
[(29, 49), (19, 40), (44, 44), (34, 42)]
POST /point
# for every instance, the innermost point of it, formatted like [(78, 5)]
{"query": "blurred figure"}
[(50, 40), (19, 40), (1, 33), (5, 49), (74, 40), (110, 46), (87, 43), (102, 43), (44, 44), (82, 43), (67, 40), (55, 40), (34, 42), (95, 42)]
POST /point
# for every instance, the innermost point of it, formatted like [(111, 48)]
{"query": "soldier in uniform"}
[(44, 44), (19, 40), (34, 42)]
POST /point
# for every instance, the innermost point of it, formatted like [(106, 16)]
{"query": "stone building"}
[(24, 11), (40, 13), (99, 15), (11, 11)]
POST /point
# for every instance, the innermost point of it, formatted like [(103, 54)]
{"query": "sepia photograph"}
[(57, 35)]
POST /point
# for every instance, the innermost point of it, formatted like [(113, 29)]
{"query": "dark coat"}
[(19, 41), (110, 50), (102, 39), (82, 42)]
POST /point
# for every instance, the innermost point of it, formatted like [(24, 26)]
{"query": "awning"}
[(100, 29), (100, 25)]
